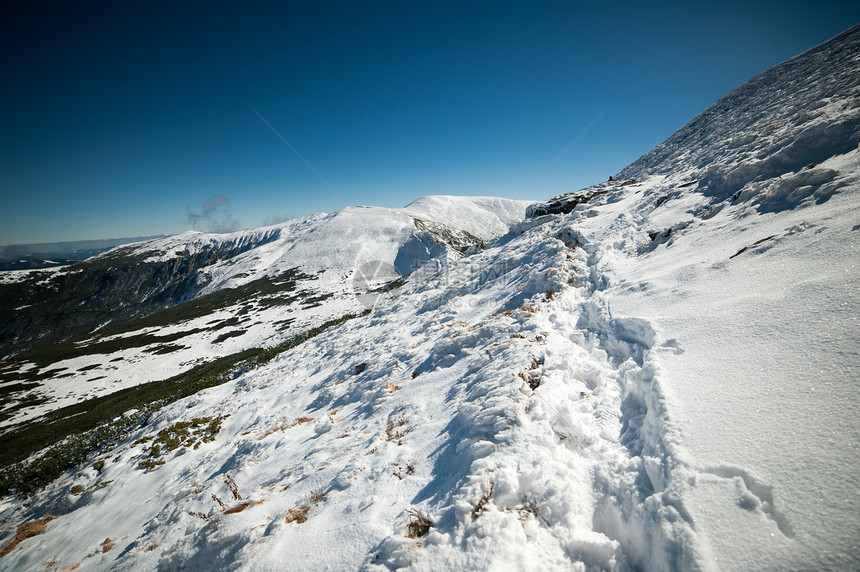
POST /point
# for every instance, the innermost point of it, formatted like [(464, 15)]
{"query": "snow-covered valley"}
[(654, 373)]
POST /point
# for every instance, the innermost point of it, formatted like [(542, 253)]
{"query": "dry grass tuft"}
[(283, 425), (419, 525), (395, 430), (481, 505), (402, 472), (234, 488), (533, 377), (242, 506), (25, 531), (219, 501), (298, 514), (532, 380)]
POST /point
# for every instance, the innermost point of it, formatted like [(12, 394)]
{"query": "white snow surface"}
[(665, 378), (328, 246)]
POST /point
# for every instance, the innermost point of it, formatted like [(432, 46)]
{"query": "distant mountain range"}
[(49, 254)]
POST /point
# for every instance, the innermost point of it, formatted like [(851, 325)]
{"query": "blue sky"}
[(126, 119)]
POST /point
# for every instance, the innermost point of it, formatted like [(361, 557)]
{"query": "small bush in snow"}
[(298, 514), (181, 434), (393, 431), (419, 524)]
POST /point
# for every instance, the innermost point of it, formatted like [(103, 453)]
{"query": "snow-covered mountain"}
[(46, 255), (654, 373), (150, 310)]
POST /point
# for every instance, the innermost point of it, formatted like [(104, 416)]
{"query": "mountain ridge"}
[(257, 287)]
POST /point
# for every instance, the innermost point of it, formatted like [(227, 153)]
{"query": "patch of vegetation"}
[(181, 434), (10, 388), (299, 513), (315, 301), (419, 524), (227, 335), (101, 485), (276, 301), (270, 287), (221, 324), (25, 531), (24, 403), (220, 299), (395, 430), (67, 437), (164, 349), (47, 355)]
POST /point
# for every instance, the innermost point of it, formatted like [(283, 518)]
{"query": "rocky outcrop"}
[(564, 204)]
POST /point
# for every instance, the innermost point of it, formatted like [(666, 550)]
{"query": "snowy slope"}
[(784, 121), (662, 378), (470, 385), (306, 270)]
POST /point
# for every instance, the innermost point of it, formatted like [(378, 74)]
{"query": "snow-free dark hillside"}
[(656, 373)]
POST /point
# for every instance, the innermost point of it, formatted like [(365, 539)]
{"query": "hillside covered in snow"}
[(157, 308), (654, 373)]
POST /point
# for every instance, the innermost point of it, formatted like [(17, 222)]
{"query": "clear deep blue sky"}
[(124, 118)]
